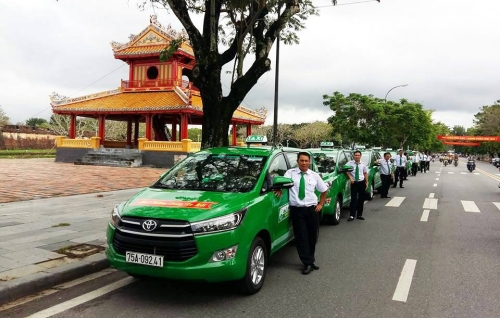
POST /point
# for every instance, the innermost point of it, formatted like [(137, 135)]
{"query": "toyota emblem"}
[(149, 225)]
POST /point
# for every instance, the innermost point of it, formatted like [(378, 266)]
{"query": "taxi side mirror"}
[(281, 183), (345, 168)]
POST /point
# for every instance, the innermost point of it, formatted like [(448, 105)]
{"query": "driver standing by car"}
[(400, 162), (359, 183), (305, 209)]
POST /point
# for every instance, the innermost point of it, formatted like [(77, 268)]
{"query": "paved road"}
[(394, 264)]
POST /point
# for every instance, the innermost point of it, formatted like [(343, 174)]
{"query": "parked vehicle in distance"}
[(330, 163)]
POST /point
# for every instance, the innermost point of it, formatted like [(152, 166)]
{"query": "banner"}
[(458, 143), (470, 138)]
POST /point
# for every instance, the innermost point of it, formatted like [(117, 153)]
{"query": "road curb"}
[(34, 283)]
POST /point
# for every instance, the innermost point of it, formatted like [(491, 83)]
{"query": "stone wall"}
[(26, 137)]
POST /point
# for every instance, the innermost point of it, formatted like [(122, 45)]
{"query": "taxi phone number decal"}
[(174, 204)]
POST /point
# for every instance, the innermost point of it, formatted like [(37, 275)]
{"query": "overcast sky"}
[(446, 50)]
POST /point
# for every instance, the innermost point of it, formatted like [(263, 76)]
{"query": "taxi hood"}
[(187, 205)]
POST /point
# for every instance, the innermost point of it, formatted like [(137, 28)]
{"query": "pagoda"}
[(159, 94)]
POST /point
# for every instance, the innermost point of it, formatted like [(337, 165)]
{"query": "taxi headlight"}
[(223, 223), (115, 216)]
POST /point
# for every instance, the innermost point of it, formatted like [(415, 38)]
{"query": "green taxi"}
[(212, 217), (371, 158), (330, 162)]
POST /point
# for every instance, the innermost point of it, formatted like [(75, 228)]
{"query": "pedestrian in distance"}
[(405, 173), (359, 183), (386, 175), (423, 163), (415, 163), (428, 164), (305, 209), (400, 161)]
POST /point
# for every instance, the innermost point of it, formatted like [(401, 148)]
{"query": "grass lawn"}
[(29, 153)]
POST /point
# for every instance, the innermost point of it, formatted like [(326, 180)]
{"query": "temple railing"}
[(186, 145), (159, 83)]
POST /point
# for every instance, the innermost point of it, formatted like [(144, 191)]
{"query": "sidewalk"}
[(44, 242)]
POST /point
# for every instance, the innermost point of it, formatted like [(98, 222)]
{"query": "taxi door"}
[(280, 225), (343, 180)]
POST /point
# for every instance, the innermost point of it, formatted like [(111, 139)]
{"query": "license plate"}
[(144, 259)]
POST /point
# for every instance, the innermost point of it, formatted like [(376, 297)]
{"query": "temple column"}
[(129, 133), (249, 129), (234, 134), (184, 126), (174, 130), (72, 127), (149, 134), (102, 128), (136, 131)]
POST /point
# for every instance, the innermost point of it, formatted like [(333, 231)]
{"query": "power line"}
[(346, 4)]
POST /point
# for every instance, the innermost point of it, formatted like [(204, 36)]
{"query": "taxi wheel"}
[(256, 268), (334, 219)]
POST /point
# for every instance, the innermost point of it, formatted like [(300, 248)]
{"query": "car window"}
[(214, 172), (292, 159), (373, 159), (325, 162), (343, 159), (278, 166)]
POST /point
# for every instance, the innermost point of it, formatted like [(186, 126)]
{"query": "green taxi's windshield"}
[(325, 161), (214, 172)]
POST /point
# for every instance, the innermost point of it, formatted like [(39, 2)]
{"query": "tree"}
[(458, 130), (487, 123), (249, 27), (35, 122), (4, 120), (194, 134), (312, 134), (434, 144)]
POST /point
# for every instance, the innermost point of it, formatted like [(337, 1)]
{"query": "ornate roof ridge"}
[(169, 34), (59, 100), (260, 112)]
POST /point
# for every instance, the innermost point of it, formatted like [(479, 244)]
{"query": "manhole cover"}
[(82, 250)]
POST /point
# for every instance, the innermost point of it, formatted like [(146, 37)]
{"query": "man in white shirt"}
[(385, 174), (359, 183), (428, 163), (415, 162), (305, 209), (423, 163), (400, 162)]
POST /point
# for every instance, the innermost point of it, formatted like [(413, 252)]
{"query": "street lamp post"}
[(276, 83), (385, 99)]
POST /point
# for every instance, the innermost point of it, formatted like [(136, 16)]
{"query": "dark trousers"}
[(405, 173), (414, 168), (423, 166), (305, 229), (428, 165), (386, 183), (358, 190), (398, 175)]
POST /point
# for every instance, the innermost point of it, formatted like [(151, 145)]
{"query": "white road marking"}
[(404, 283), (477, 173), (431, 195), (431, 204), (438, 171), (83, 298), (470, 206), (395, 202), (451, 172), (435, 185), (463, 172), (437, 179), (498, 174), (497, 204), (425, 216)]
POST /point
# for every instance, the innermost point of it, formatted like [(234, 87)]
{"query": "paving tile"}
[(4, 251), (4, 224), (41, 236), (20, 247), (21, 271), (93, 237), (34, 253), (56, 246)]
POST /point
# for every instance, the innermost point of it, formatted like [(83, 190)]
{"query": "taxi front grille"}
[(175, 249)]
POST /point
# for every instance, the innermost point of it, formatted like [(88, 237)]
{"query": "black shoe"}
[(383, 197), (401, 187), (360, 218), (393, 186), (307, 269), (315, 267), (350, 219), (387, 197), (405, 179)]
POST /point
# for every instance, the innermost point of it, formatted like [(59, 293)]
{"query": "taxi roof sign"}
[(256, 139), (326, 144), (359, 147)]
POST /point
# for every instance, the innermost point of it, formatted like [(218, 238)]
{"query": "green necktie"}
[(388, 168), (356, 174), (400, 159), (302, 186)]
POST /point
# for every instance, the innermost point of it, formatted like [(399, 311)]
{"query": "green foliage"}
[(367, 120), (487, 123), (35, 122), (194, 134), (4, 120)]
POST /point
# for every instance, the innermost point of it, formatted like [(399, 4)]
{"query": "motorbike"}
[(445, 163), (471, 165), (455, 163)]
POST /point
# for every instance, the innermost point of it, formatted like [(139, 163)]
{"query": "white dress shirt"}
[(313, 181), (385, 166), (397, 159), (362, 169)]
